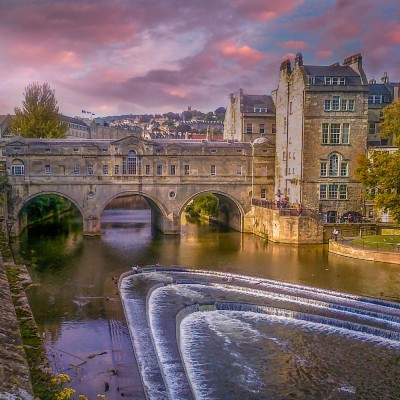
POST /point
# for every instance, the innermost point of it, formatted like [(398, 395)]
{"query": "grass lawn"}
[(379, 242)]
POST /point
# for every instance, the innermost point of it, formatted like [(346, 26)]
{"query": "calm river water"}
[(76, 304)]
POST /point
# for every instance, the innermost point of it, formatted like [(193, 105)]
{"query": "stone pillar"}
[(248, 222), (170, 225), (13, 227), (91, 226), (16, 224)]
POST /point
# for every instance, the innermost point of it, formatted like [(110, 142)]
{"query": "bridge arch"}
[(160, 218), (19, 218), (26, 200), (233, 213), (153, 202)]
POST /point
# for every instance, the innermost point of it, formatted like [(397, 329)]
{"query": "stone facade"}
[(380, 95), (249, 117), (270, 225), (168, 173), (76, 128), (113, 133), (322, 120)]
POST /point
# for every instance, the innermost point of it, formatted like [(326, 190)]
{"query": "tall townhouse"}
[(321, 127), (248, 117), (380, 95)]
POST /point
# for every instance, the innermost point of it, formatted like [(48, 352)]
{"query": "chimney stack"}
[(298, 60), (355, 63), (285, 66), (385, 78)]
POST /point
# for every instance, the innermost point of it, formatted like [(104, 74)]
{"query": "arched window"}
[(334, 165), (337, 166), (17, 168), (132, 164)]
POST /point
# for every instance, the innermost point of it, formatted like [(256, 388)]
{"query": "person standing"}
[(335, 234)]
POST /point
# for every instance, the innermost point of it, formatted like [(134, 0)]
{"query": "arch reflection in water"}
[(209, 335)]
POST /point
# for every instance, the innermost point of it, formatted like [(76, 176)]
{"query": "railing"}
[(264, 203), (286, 209)]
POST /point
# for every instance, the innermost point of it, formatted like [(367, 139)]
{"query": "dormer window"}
[(334, 80), (375, 99)]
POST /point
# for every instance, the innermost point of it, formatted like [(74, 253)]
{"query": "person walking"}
[(335, 234)]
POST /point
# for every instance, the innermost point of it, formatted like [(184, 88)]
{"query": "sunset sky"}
[(115, 57)]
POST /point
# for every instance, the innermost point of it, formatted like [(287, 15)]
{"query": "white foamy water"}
[(236, 341), (243, 330)]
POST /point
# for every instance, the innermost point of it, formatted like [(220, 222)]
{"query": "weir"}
[(184, 311)]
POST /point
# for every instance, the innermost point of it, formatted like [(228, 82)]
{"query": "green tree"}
[(187, 116), (206, 204), (390, 121), (220, 113), (40, 115), (379, 172)]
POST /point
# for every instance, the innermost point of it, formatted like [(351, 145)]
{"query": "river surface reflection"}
[(76, 305)]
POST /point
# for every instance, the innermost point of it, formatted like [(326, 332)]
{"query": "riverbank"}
[(15, 381), (24, 368), (344, 248)]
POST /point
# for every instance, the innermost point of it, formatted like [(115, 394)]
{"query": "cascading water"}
[(222, 336)]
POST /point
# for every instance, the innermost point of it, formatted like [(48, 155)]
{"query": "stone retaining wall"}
[(343, 249), (15, 382), (286, 229)]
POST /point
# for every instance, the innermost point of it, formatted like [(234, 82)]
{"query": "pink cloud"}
[(128, 55), (294, 44), (392, 34), (242, 53), (266, 10), (324, 53)]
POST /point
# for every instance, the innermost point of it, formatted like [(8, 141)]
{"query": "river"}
[(76, 304)]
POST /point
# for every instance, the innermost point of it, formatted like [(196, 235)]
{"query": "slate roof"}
[(379, 89), (251, 101), (329, 70)]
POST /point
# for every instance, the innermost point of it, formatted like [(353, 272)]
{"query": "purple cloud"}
[(136, 56)]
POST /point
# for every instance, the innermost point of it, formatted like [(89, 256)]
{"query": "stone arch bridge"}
[(167, 173)]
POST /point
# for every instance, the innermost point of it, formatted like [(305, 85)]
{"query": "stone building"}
[(321, 127), (248, 117), (76, 128), (380, 95), (114, 133)]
